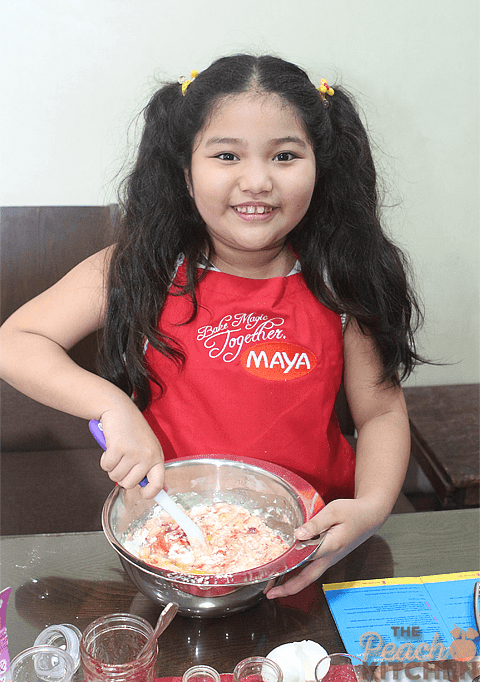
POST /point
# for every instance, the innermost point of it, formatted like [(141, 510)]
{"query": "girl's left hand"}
[(348, 523)]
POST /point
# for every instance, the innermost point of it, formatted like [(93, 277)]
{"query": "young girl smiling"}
[(250, 276)]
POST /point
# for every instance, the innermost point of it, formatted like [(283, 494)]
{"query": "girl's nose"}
[(255, 178)]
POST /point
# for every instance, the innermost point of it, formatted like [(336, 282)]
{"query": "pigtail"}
[(157, 222), (366, 273)]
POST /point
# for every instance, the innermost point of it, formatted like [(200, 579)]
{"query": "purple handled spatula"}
[(192, 531)]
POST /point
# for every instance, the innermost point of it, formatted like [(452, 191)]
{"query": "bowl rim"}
[(308, 499)]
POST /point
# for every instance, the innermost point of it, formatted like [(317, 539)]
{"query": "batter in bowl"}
[(236, 540)]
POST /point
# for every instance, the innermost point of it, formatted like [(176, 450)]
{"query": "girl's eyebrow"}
[(222, 140), (290, 139)]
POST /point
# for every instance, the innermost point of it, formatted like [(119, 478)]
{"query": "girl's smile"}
[(253, 211), (252, 176)]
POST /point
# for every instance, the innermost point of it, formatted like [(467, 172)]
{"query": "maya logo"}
[(278, 361)]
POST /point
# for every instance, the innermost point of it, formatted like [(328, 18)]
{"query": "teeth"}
[(253, 209)]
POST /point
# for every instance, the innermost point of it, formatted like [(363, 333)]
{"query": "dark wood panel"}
[(49, 460), (445, 439), (41, 244)]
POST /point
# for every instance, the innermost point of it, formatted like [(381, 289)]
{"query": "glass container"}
[(110, 648), (257, 669), (42, 664), (342, 668), (201, 673)]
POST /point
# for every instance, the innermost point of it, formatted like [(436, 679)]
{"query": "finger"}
[(326, 555), (155, 477), (116, 467), (309, 574), (111, 459), (324, 520), (130, 478), (105, 462), (269, 585), (335, 545), (316, 545)]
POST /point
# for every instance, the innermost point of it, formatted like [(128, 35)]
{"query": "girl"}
[(249, 277)]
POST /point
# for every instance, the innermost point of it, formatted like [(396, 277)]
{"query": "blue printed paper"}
[(401, 620)]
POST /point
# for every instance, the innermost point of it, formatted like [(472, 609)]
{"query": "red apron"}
[(264, 362)]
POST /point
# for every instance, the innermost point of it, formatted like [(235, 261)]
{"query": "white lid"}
[(65, 636)]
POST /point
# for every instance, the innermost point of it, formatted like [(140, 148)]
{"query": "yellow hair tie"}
[(186, 82), (325, 89)]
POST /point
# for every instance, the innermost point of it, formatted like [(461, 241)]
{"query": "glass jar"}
[(42, 664), (110, 646), (343, 667), (257, 669), (201, 673)]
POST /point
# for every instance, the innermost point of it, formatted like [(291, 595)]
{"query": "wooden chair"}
[(50, 477)]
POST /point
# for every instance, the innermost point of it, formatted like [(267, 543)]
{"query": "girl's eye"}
[(285, 156), (226, 156)]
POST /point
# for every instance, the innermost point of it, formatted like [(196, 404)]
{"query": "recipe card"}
[(430, 618)]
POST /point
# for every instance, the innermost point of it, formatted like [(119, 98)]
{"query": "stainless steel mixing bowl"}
[(284, 500)]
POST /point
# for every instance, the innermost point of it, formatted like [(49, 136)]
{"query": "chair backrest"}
[(38, 246), (41, 244)]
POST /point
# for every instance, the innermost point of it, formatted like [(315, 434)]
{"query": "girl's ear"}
[(188, 181)]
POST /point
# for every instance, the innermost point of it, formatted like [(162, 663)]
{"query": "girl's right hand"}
[(133, 450)]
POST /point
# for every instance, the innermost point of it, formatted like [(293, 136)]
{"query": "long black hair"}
[(339, 239)]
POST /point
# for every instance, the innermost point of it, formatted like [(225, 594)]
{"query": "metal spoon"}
[(164, 620)]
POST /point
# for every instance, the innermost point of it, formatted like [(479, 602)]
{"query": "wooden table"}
[(77, 577), (444, 423)]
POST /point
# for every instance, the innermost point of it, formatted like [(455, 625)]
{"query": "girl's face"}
[(252, 175)]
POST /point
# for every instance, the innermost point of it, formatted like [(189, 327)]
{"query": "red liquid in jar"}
[(340, 673), (110, 646), (100, 675), (131, 671)]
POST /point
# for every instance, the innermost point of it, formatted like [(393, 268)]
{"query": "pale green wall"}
[(76, 71)]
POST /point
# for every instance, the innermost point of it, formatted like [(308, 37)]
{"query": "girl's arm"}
[(383, 450), (35, 342)]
